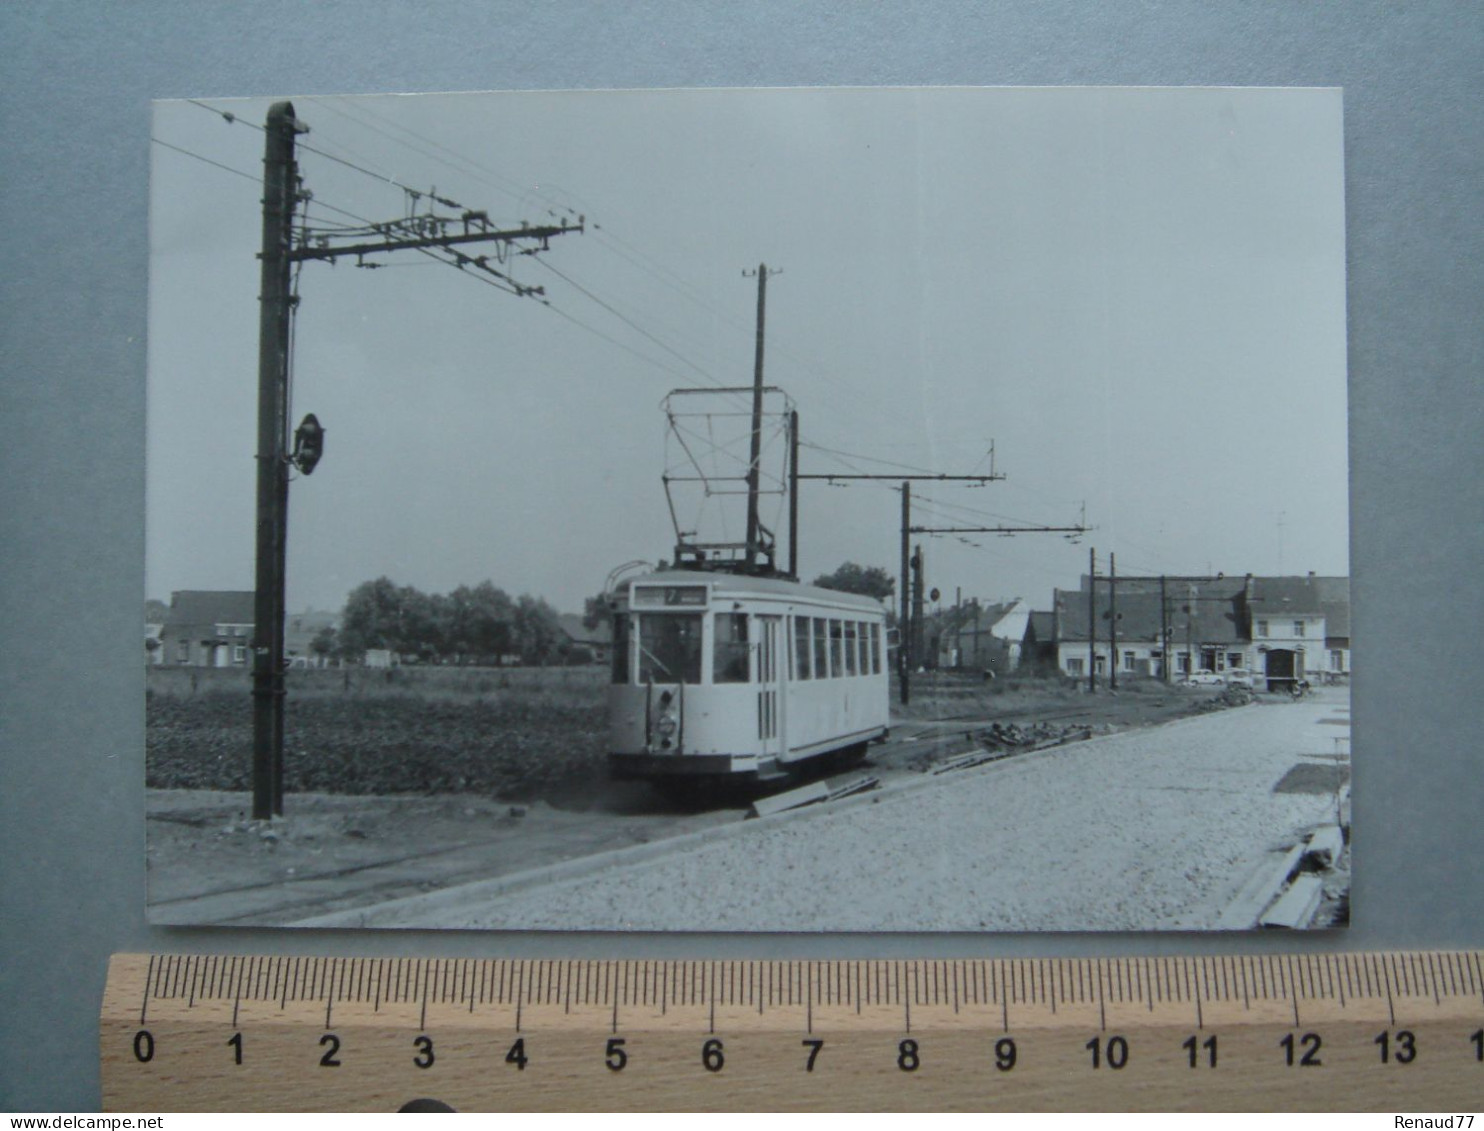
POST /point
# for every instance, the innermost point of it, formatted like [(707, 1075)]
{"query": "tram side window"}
[(620, 649), (821, 654), (729, 652), (837, 639), (875, 649), (801, 648), (850, 634), (670, 648)]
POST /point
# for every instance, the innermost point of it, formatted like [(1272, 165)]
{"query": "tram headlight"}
[(667, 726)]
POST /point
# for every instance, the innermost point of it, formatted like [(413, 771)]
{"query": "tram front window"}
[(670, 648)]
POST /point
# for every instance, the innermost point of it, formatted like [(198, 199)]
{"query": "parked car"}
[(1241, 677), (1204, 677)]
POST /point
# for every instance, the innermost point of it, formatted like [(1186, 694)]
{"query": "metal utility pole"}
[(756, 455), (907, 529), (280, 189), (904, 627), (1112, 621), (281, 198)]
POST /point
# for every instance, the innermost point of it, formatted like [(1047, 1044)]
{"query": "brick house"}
[(208, 628)]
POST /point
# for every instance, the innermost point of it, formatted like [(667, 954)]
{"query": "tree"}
[(538, 634), (373, 614), (871, 581), (486, 617), (325, 643), (597, 611)]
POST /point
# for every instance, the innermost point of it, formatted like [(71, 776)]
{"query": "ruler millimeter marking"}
[(1380, 1031)]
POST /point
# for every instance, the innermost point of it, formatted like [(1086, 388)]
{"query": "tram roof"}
[(741, 584)]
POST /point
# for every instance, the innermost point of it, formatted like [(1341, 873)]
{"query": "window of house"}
[(1262, 628), (183, 652), (1298, 628), (670, 648), (801, 648), (1182, 663), (821, 649), (1234, 659), (1337, 661), (239, 654), (1128, 661), (1074, 665), (729, 648)]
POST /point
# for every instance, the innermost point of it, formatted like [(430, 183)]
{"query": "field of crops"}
[(517, 733)]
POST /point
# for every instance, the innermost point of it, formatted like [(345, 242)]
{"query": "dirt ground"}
[(209, 862)]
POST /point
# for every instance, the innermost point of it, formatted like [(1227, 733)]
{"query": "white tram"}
[(729, 676)]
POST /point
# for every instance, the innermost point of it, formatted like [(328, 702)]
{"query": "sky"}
[(1135, 296)]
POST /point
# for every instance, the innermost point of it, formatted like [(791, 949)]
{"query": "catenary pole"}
[(1112, 621), (278, 255), (274, 313)]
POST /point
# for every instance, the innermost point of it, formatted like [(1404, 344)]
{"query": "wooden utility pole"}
[(1112, 621), (1092, 619), (277, 302), (1164, 630), (904, 622), (793, 495), (754, 541)]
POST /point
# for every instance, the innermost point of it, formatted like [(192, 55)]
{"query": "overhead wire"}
[(208, 161)]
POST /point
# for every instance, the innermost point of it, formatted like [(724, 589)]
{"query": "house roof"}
[(211, 606), (1306, 596), (1208, 618)]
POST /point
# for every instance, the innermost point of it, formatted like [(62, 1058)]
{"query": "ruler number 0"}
[(144, 1046)]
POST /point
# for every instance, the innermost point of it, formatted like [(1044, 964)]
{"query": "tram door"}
[(769, 685)]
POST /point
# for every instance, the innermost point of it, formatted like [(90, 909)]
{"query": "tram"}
[(735, 677)]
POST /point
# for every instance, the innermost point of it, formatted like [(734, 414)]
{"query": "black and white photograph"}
[(778, 509)]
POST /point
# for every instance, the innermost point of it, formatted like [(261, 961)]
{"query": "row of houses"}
[(1280, 629), (213, 628)]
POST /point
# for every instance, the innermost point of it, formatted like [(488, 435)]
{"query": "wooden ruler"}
[(1383, 1031)]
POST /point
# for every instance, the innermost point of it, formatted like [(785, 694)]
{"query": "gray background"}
[(74, 118)]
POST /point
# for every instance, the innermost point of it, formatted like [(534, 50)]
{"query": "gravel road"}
[(1155, 829)]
